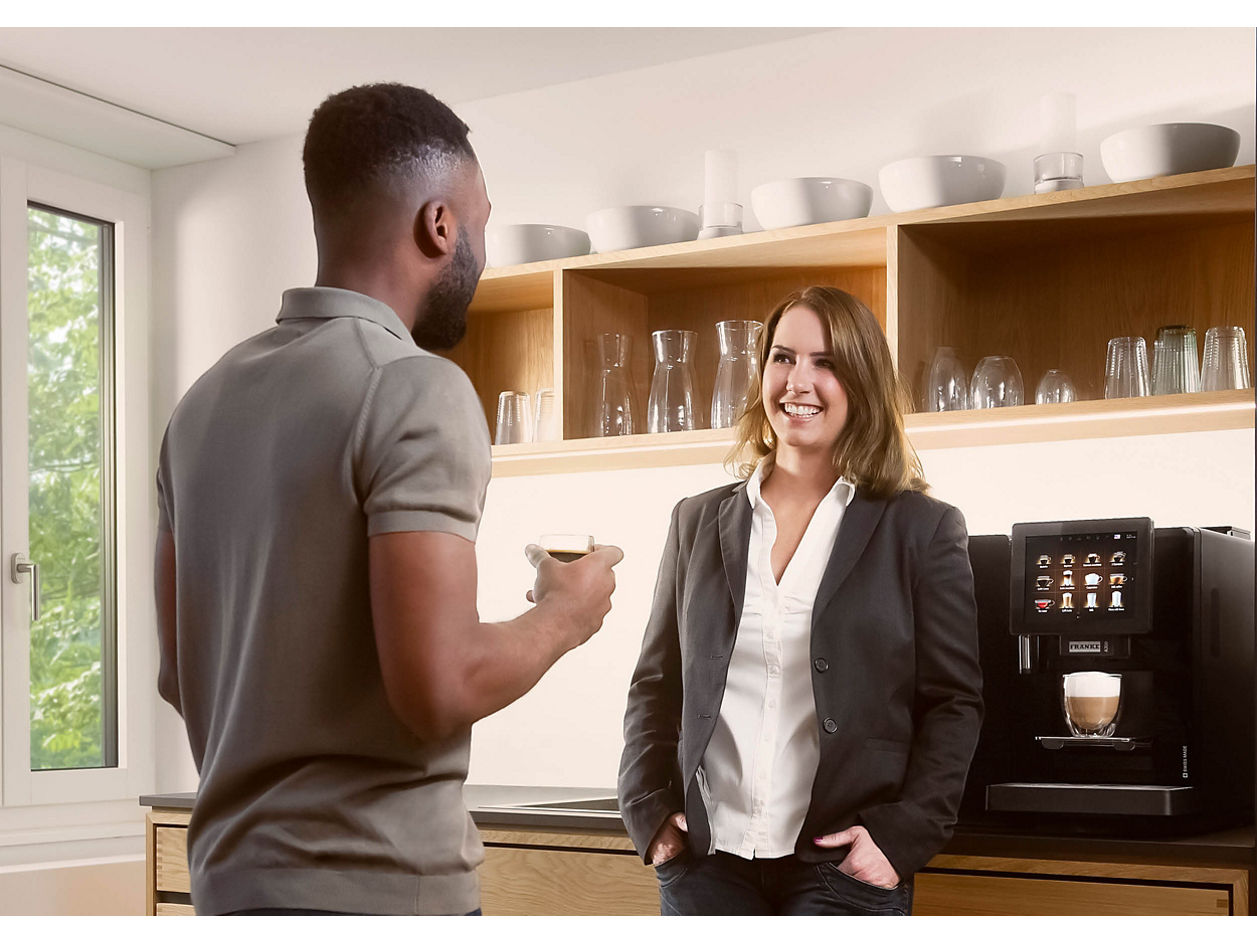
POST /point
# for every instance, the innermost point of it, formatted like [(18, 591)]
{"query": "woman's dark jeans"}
[(725, 885)]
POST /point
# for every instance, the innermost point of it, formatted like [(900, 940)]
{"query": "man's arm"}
[(164, 592), (443, 668)]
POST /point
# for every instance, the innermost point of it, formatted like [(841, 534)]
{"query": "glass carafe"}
[(736, 374), (613, 414), (671, 406)]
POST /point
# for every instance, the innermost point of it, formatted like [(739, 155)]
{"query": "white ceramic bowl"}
[(518, 245), (943, 180), (802, 201), (1159, 150), (630, 227)]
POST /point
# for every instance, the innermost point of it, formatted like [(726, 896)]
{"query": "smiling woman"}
[(823, 600)]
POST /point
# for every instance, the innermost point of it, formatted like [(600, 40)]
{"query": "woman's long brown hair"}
[(872, 450)]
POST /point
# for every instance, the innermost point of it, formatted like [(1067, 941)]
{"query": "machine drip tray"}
[(1118, 743), (1119, 800)]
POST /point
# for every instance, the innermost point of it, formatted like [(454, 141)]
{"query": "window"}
[(76, 664), (69, 380)]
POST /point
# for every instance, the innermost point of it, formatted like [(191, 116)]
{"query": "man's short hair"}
[(372, 135)]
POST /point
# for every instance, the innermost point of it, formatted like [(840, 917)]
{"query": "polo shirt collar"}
[(843, 489), (321, 302)]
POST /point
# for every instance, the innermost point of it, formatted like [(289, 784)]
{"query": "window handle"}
[(21, 566)]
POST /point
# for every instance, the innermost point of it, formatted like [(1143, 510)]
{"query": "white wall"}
[(231, 234)]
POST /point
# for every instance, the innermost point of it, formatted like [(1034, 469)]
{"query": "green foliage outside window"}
[(66, 507)]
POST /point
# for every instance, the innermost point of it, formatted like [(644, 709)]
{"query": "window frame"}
[(21, 185)]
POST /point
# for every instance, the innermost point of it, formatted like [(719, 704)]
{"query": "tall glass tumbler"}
[(513, 418), (1175, 367), (736, 375), (613, 414), (946, 386), (1226, 359), (671, 405), (545, 425), (996, 383), (1126, 368)]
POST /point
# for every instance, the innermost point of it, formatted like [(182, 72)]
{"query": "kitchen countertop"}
[(497, 806)]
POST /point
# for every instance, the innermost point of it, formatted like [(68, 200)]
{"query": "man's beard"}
[(443, 319)]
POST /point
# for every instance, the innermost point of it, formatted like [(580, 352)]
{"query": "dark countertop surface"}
[(498, 806)]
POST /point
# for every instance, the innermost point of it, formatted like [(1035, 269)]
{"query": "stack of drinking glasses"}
[(1226, 359), (1175, 367), (518, 422)]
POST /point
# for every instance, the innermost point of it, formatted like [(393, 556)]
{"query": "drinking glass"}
[(512, 418), (946, 389), (545, 426), (613, 413), (1126, 369), (996, 382), (1091, 701), (1226, 359), (1054, 387), (671, 406), (1175, 368), (736, 374)]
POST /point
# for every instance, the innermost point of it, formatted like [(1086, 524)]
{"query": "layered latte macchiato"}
[(1092, 699)]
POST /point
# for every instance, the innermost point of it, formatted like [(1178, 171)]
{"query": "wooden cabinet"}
[(1000, 886), (548, 871), (169, 888), (1046, 279), (535, 872)]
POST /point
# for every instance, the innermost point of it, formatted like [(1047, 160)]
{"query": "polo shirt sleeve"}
[(422, 459), (163, 499)]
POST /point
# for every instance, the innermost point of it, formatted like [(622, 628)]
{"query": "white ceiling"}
[(238, 85)]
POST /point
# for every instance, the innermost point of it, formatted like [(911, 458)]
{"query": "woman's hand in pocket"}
[(865, 861), (668, 841)]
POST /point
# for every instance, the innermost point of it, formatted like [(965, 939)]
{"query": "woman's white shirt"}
[(757, 771)]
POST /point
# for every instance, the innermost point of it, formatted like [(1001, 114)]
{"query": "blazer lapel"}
[(735, 533), (858, 524)]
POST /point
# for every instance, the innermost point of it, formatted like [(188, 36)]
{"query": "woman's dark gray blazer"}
[(895, 673)]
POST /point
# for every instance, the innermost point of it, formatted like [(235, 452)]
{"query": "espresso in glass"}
[(566, 547), (1091, 702)]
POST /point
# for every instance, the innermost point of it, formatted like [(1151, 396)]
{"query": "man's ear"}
[(436, 232)]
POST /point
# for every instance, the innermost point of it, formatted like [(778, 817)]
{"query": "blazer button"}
[(830, 725), (821, 664)]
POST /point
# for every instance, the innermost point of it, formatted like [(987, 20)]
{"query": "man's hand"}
[(578, 592), (668, 841), (443, 668), (865, 861)]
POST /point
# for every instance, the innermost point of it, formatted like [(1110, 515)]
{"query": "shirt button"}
[(830, 725), (821, 664)]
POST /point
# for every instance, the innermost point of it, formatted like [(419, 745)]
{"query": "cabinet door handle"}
[(20, 566)]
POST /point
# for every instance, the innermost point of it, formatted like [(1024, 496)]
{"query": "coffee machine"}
[(1153, 629)]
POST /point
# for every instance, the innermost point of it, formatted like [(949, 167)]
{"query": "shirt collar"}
[(338, 302), (842, 490)]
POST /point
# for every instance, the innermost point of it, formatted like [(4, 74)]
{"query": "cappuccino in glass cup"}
[(1091, 700)]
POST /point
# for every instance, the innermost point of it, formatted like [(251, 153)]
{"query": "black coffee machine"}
[(1161, 617)]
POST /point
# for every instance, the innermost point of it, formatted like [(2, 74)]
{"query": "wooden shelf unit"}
[(1046, 279)]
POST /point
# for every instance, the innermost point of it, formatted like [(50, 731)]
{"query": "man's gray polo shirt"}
[(276, 467)]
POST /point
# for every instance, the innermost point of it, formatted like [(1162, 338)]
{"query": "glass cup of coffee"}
[(1091, 702), (566, 547)]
